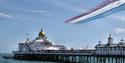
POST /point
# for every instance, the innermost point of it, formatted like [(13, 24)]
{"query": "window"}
[(110, 49), (119, 48), (114, 48), (123, 48)]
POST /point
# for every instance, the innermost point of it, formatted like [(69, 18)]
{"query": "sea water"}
[(2, 60)]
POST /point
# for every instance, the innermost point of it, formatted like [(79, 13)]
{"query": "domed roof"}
[(110, 36), (41, 33)]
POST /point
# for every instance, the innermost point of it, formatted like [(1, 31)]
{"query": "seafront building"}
[(110, 48), (40, 43)]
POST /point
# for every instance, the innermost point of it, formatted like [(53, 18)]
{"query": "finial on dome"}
[(122, 40), (41, 29), (110, 35)]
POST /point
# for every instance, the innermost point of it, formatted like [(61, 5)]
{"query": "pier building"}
[(110, 48), (40, 43)]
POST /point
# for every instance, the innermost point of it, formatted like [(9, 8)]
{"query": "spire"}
[(100, 42), (110, 39), (27, 39), (110, 35), (122, 40), (41, 29)]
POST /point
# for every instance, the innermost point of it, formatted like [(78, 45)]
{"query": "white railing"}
[(110, 52)]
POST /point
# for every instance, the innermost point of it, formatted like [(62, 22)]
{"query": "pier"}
[(43, 50), (71, 56)]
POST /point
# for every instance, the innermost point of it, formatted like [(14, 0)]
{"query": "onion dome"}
[(110, 39), (41, 33), (110, 36), (100, 42)]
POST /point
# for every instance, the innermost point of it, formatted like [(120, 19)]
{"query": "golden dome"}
[(41, 33)]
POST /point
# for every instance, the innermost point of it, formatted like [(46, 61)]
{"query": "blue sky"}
[(18, 17)]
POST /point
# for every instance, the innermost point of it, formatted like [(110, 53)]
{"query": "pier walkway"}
[(71, 56)]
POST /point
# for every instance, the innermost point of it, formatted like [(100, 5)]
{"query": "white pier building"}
[(39, 44), (110, 48)]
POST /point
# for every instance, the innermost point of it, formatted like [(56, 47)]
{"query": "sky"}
[(19, 17)]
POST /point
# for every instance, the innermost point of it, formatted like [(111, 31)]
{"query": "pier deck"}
[(74, 56)]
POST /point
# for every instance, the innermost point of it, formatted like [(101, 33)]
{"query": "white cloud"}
[(119, 16), (48, 14), (119, 30), (5, 15), (68, 6), (43, 12), (38, 11)]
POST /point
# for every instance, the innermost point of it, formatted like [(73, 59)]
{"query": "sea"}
[(2, 60)]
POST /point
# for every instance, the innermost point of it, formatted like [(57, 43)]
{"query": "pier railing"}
[(87, 52), (71, 52)]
